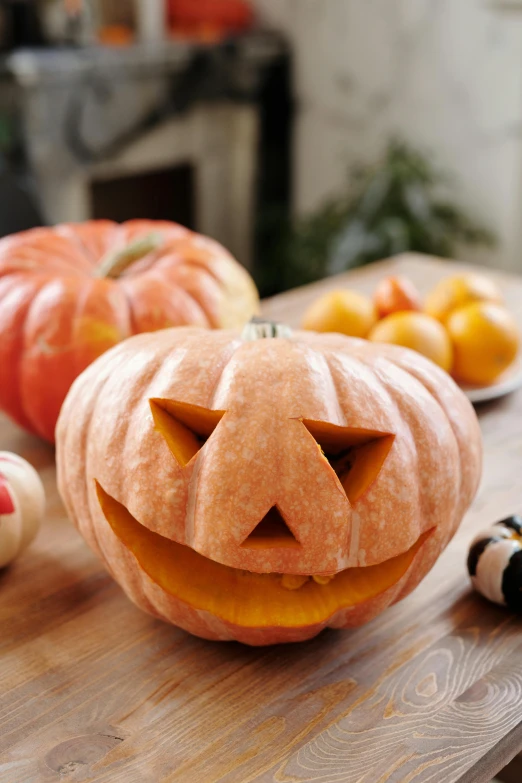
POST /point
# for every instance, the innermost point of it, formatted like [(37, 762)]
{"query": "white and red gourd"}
[(495, 563), (22, 505)]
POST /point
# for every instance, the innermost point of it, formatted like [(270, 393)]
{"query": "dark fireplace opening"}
[(166, 194)]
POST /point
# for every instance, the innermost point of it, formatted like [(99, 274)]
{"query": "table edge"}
[(496, 758)]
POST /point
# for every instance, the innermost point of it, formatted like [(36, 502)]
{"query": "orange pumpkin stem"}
[(115, 263)]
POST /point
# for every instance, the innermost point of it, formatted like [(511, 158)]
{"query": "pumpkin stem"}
[(260, 329), (114, 263)]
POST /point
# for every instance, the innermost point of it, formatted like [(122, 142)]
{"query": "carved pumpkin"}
[(262, 489), (22, 505), (69, 293)]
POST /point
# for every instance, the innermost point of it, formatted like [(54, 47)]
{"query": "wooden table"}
[(94, 690)]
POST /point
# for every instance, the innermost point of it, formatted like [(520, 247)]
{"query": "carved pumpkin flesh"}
[(262, 489)]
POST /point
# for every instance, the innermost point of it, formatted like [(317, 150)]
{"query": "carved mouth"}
[(242, 597)]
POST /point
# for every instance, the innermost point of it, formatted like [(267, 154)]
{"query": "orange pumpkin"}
[(69, 293), (262, 489)]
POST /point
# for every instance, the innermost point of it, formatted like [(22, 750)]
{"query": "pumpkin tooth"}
[(323, 579), (293, 581)]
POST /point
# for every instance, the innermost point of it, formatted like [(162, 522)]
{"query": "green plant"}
[(390, 207)]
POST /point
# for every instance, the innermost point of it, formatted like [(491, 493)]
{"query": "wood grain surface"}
[(91, 689)]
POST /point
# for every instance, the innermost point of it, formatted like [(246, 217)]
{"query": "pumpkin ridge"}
[(13, 405), (26, 391), (206, 318), (65, 480), (241, 301), (185, 250), (396, 396), (79, 307), (338, 414), (185, 264), (27, 265), (200, 264), (50, 349), (437, 399), (174, 301), (156, 389), (394, 401), (110, 360), (133, 331), (74, 231), (192, 505), (233, 347), (336, 383), (54, 254), (68, 230), (96, 394), (409, 374), (77, 316), (186, 267), (60, 246), (430, 377)]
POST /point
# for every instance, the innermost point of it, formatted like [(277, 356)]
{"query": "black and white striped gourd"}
[(495, 563)]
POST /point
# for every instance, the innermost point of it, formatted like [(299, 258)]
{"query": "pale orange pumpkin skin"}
[(56, 317), (261, 454)]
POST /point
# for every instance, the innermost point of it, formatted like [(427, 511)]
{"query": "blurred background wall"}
[(245, 119), (445, 75)]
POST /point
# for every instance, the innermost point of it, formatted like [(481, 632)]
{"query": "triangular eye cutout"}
[(271, 532), (185, 427), (356, 455)]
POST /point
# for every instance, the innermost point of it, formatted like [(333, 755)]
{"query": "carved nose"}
[(272, 531)]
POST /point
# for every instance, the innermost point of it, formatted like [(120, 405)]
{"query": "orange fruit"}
[(395, 294), (454, 292), (417, 331), (346, 312), (485, 340)]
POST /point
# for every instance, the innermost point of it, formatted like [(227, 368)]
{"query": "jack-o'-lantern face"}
[(344, 461), (278, 486), (354, 458)]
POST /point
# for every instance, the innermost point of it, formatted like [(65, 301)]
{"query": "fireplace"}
[(172, 132), (165, 194)]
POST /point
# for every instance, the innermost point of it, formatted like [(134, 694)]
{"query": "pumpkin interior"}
[(357, 455), (242, 597), (185, 427)]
